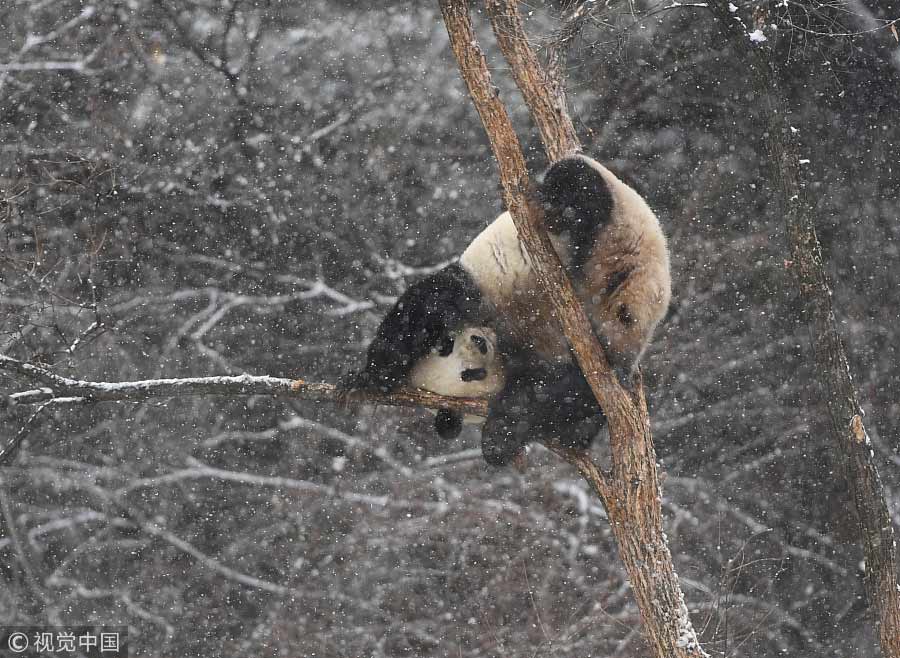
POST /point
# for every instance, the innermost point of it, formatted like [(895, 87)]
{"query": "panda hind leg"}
[(570, 413), (581, 436), (577, 201)]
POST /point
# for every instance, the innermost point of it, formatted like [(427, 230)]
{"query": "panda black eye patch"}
[(473, 374), (480, 343), (446, 348)]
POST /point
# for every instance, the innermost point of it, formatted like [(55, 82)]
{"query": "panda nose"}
[(480, 343), (474, 374)]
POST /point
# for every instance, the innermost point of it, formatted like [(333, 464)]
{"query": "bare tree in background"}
[(848, 433)]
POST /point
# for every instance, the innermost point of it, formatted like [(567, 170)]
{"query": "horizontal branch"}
[(75, 391), (79, 66)]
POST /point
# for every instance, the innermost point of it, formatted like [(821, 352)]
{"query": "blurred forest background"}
[(214, 186)]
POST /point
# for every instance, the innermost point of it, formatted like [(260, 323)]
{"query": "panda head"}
[(464, 364)]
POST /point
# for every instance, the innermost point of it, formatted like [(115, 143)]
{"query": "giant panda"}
[(615, 254), (465, 364)]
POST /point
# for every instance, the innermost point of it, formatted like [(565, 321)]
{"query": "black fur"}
[(423, 318), (576, 200), (540, 403), (448, 424), (620, 361), (473, 375), (480, 343), (447, 343), (617, 279)]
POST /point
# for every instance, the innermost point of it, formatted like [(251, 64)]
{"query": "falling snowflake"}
[(757, 36)]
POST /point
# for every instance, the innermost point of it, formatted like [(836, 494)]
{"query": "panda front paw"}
[(581, 434), (361, 381), (448, 424), (623, 366), (625, 375)]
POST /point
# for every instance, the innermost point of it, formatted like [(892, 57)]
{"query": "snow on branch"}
[(79, 66), (60, 390)]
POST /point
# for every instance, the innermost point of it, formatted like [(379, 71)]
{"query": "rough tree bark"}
[(846, 426), (630, 493), (543, 92)]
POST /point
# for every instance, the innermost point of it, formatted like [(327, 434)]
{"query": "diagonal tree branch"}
[(631, 492), (544, 95), (558, 48)]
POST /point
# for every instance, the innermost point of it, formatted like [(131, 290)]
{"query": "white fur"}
[(503, 272), (442, 374), (497, 260)]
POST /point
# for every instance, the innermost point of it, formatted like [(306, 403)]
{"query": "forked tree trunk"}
[(630, 492)]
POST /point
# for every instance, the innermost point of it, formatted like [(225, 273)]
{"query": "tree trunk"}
[(630, 493), (846, 426)]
